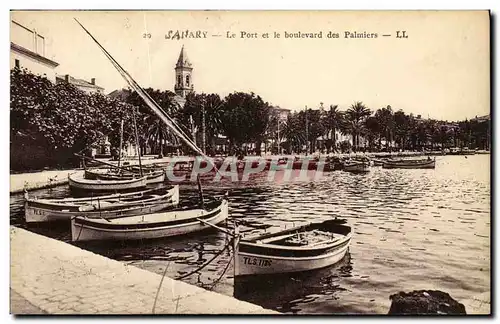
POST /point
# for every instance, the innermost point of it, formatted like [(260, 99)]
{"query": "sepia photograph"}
[(250, 162)]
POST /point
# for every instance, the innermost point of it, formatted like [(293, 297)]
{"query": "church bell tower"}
[(183, 75)]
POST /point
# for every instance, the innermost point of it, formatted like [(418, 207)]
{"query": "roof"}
[(27, 52), (120, 94), (482, 118), (78, 82), (183, 60), (277, 108)]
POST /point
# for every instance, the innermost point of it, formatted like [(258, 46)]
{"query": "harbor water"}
[(412, 229)]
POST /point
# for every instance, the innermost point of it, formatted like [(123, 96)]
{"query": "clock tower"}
[(183, 75)]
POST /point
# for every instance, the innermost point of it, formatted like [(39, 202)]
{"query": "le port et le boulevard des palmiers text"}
[(231, 195), (200, 34)]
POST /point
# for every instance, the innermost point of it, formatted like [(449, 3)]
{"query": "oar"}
[(217, 227)]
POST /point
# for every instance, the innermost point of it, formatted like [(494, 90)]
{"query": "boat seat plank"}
[(276, 238)]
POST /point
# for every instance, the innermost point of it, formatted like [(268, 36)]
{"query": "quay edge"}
[(59, 278)]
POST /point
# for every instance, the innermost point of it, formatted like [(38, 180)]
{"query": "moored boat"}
[(111, 206), (149, 226), (410, 164), (298, 249), (153, 176), (77, 181), (356, 166)]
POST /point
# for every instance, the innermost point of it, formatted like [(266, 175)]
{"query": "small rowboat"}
[(157, 176), (356, 166), (298, 249), (410, 164), (149, 226), (78, 182), (111, 206)]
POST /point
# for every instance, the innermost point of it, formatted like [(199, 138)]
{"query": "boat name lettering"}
[(257, 262)]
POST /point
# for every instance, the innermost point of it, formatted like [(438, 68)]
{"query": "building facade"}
[(27, 51), (282, 113), (86, 86)]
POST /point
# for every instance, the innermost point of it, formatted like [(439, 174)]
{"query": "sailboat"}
[(151, 225)]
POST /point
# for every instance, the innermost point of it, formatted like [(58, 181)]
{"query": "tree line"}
[(50, 122), (380, 130)]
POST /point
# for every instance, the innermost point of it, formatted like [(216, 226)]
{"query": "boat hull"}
[(86, 230), (257, 264), (78, 183), (152, 176), (156, 178), (36, 215), (406, 165), (39, 212), (357, 167)]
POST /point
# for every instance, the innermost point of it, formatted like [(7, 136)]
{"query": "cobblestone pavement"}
[(59, 278)]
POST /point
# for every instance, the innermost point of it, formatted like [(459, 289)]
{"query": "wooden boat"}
[(157, 176), (356, 166), (378, 162), (149, 226), (302, 248), (410, 164), (78, 182), (111, 206)]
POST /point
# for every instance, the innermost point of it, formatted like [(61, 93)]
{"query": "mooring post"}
[(200, 192), (236, 242)]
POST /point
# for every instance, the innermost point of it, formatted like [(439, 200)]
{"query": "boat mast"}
[(279, 149), (203, 126), (121, 143), (138, 150), (193, 131), (307, 135)]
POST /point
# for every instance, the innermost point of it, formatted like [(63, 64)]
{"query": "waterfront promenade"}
[(53, 277)]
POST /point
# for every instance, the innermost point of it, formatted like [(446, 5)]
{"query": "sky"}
[(441, 71)]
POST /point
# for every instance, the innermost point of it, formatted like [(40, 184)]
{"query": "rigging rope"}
[(223, 272), (206, 263), (159, 286)]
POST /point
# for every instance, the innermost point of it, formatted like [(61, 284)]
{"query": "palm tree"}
[(356, 116), (213, 115), (294, 133), (158, 135), (333, 120), (385, 118), (401, 127), (372, 130)]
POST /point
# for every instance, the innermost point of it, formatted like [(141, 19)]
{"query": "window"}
[(179, 80), (17, 64), (187, 80)]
